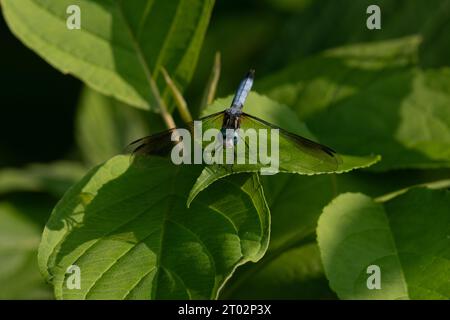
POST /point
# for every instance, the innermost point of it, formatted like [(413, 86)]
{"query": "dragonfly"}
[(294, 150)]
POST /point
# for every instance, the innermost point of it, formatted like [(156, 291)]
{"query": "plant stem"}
[(179, 99), (162, 107), (211, 88), (167, 117), (439, 184)]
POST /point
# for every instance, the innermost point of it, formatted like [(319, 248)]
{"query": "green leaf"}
[(408, 122), (213, 173), (129, 231), (296, 203), (316, 83), (121, 44), (407, 237), (404, 117), (105, 126), (277, 114), (54, 178), (336, 26), (19, 239), (439, 184)]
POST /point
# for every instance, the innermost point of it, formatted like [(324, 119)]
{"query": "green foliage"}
[(316, 83), (291, 159), (397, 110), (329, 24), (293, 230), (435, 49), (153, 230), (407, 240), (297, 273), (19, 240), (121, 44), (104, 126), (53, 178), (134, 238), (406, 120)]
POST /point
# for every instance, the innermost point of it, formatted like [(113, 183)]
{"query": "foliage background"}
[(40, 151)]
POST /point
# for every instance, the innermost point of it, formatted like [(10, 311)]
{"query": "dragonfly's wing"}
[(157, 144), (212, 121), (161, 144), (296, 151)]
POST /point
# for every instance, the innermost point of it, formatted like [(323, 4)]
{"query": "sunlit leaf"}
[(121, 44), (291, 158), (129, 231), (296, 203), (370, 98), (404, 117), (406, 237), (316, 83)]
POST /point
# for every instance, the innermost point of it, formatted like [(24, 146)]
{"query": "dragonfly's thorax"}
[(230, 127), (232, 118)]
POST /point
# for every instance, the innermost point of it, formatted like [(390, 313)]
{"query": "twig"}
[(162, 107), (179, 100), (211, 88), (439, 184)]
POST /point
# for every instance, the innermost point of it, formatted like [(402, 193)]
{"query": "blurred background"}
[(39, 105)]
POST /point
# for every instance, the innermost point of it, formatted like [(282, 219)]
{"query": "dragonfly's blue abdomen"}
[(243, 90)]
